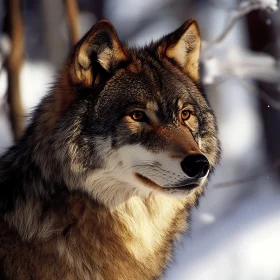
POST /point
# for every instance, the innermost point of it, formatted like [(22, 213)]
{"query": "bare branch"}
[(245, 8), (240, 181), (251, 178)]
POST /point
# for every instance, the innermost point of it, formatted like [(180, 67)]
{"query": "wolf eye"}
[(138, 116), (186, 114)]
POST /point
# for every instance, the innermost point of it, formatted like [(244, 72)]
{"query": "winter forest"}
[(236, 228)]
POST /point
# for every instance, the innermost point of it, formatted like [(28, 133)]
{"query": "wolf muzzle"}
[(183, 145)]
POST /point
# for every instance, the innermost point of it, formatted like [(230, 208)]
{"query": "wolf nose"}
[(195, 165)]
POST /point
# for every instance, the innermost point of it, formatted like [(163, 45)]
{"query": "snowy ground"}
[(244, 244)]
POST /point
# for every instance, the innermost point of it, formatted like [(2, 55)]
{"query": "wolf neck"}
[(141, 231), (151, 222)]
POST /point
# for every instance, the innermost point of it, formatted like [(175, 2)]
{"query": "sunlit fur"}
[(89, 192)]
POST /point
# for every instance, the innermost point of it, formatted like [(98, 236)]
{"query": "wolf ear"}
[(99, 49), (183, 46)]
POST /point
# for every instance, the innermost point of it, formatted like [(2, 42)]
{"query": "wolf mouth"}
[(186, 187), (152, 184), (147, 181)]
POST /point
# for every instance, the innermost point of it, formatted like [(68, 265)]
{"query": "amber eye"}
[(138, 116), (186, 115)]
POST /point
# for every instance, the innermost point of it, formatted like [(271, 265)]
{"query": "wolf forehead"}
[(149, 89)]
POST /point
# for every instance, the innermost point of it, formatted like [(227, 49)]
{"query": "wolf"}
[(101, 184)]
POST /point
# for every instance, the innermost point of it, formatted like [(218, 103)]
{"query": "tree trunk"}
[(14, 25), (73, 20), (264, 36)]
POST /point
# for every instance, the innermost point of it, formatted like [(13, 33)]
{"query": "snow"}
[(220, 62), (244, 244), (264, 4), (35, 80), (269, 4)]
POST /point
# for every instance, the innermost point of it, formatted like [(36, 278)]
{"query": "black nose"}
[(195, 165)]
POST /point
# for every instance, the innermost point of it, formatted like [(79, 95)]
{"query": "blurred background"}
[(236, 229)]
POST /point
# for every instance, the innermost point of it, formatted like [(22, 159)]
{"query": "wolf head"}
[(130, 121)]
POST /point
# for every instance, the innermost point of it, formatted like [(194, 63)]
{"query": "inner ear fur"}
[(183, 46), (100, 49)]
